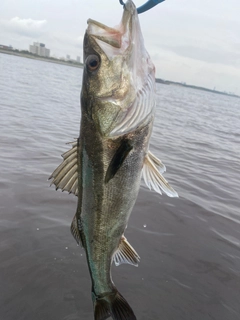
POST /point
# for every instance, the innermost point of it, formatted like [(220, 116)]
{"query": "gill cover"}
[(121, 91)]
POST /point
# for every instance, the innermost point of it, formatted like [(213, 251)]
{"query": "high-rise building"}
[(68, 57), (47, 52), (39, 49), (33, 49), (78, 59)]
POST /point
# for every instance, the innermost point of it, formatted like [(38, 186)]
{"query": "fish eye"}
[(92, 62)]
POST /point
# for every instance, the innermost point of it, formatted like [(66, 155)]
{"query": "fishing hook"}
[(146, 6)]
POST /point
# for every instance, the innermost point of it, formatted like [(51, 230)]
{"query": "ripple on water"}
[(189, 246)]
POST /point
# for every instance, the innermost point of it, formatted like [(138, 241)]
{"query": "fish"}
[(105, 164)]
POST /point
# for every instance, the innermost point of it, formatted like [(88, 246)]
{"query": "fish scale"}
[(112, 153)]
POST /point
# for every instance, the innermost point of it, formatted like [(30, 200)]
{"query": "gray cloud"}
[(192, 41), (207, 55), (68, 39), (25, 27)]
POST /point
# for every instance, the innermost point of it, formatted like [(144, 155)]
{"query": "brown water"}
[(189, 247)]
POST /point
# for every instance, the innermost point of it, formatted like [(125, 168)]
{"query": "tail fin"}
[(112, 305)]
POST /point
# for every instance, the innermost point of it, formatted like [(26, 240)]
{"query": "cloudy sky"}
[(194, 41)]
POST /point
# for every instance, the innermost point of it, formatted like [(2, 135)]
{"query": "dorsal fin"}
[(126, 254), (65, 176), (118, 159)]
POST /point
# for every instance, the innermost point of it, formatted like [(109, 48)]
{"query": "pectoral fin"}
[(153, 177), (158, 163), (118, 159), (126, 254), (65, 177)]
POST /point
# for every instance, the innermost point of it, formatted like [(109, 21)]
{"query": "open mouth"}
[(104, 33), (114, 40)]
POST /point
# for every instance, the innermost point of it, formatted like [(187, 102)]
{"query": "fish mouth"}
[(104, 33), (114, 40)]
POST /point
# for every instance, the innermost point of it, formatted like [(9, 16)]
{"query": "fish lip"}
[(106, 34), (117, 37)]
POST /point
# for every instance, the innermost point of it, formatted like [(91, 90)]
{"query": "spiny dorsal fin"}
[(118, 159), (153, 178), (75, 231), (126, 254), (65, 176)]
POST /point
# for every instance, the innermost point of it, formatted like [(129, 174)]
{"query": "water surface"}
[(189, 247)]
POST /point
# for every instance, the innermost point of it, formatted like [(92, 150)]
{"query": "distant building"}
[(47, 52), (2, 46), (68, 57), (39, 49), (78, 59)]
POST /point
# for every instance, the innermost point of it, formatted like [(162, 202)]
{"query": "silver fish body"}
[(105, 165)]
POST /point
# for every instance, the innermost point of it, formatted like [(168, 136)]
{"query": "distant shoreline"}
[(80, 65), (35, 57), (167, 82)]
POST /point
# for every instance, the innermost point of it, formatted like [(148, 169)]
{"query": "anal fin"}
[(126, 254), (153, 177)]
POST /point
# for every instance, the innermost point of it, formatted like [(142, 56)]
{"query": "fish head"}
[(118, 89)]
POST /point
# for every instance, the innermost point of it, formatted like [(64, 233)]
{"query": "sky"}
[(192, 41)]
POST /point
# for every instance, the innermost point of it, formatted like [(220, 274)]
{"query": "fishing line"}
[(146, 6)]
